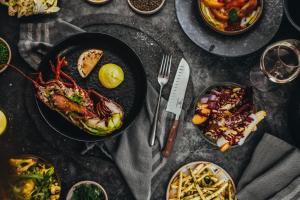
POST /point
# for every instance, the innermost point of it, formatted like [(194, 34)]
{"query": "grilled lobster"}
[(63, 95)]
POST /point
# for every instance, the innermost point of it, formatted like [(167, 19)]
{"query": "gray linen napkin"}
[(137, 161), (273, 172)]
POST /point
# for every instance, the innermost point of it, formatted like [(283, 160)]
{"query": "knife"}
[(175, 102)]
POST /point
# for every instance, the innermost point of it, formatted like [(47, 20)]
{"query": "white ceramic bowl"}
[(98, 1), (71, 191), (9, 54), (146, 12), (223, 176)]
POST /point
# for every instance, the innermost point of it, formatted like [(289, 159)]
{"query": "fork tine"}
[(169, 67), (166, 66), (162, 65)]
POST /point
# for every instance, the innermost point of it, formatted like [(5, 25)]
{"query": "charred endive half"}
[(63, 95), (30, 7)]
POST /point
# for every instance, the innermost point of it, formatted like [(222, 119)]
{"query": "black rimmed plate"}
[(130, 94), (229, 46)]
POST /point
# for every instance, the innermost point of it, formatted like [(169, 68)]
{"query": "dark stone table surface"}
[(23, 138)]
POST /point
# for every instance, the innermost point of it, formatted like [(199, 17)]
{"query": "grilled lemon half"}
[(3, 122)]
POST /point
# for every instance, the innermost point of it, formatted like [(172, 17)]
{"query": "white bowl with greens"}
[(87, 190), (5, 55)]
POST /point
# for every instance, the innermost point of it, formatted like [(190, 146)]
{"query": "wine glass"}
[(279, 64)]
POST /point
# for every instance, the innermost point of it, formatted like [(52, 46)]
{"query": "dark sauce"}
[(294, 8), (239, 118), (233, 27)]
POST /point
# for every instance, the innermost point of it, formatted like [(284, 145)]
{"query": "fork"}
[(163, 78)]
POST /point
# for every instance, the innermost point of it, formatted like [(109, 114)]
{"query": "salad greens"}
[(87, 192), (33, 180)]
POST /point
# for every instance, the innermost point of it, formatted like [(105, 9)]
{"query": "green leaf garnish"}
[(87, 192), (77, 98), (233, 16)]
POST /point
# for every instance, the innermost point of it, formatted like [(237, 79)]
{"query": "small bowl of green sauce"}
[(87, 190), (5, 55)]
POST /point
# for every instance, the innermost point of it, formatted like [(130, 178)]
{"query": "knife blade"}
[(175, 102)]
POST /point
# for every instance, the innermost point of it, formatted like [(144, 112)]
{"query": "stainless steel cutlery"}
[(163, 78)]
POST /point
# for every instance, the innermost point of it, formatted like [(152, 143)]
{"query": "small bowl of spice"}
[(5, 55), (146, 7), (87, 190)]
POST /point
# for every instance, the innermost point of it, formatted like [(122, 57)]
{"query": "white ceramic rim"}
[(98, 1), (198, 163), (9, 54), (146, 12), (70, 193)]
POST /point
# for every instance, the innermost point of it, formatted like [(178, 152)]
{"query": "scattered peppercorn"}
[(146, 5), (4, 53)]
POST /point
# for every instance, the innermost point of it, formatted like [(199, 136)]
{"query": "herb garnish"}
[(233, 16), (77, 98), (4, 53)]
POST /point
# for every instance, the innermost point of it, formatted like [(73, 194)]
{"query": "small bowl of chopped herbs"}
[(146, 7), (5, 55), (87, 190)]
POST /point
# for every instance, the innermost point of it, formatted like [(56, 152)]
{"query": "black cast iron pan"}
[(294, 114), (130, 94)]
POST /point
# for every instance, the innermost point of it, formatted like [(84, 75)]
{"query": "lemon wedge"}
[(3, 122), (111, 75)]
